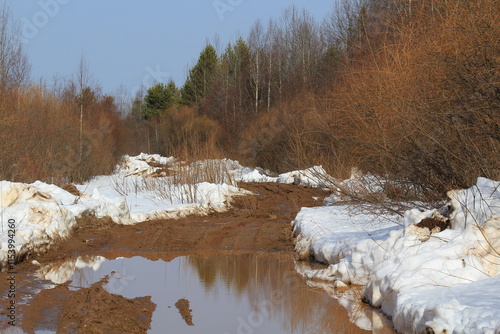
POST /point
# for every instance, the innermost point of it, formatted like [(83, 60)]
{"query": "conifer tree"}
[(159, 98), (201, 77)]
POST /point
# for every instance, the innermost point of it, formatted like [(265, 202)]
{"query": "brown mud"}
[(258, 223), (184, 310), (95, 310)]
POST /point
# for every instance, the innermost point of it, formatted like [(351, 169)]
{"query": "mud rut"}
[(259, 223)]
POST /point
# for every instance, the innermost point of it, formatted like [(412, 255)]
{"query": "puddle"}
[(247, 293)]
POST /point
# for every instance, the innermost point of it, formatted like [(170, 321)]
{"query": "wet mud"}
[(257, 224)]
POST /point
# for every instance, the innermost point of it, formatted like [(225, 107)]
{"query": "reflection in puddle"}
[(364, 317), (219, 294), (62, 273)]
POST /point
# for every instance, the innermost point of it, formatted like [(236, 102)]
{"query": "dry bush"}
[(420, 105), (180, 132), (265, 142), (40, 138), (451, 119)]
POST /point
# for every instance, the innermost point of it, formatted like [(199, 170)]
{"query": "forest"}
[(408, 90)]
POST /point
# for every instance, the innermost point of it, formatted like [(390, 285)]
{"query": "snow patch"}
[(36, 219), (441, 281)]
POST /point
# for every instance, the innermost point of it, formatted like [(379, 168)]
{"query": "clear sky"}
[(131, 42)]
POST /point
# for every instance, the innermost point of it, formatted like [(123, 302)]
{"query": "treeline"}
[(405, 89), (58, 138), (67, 132)]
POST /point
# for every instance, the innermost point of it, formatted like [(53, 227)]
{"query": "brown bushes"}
[(442, 91), (405, 89), (416, 99), (419, 105), (40, 137), (180, 132)]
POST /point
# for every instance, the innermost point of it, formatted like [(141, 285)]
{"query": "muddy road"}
[(255, 223), (258, 225)]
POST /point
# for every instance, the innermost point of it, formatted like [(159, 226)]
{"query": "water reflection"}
[(359, 313), (226, 293), (61, 272), (273, 290)]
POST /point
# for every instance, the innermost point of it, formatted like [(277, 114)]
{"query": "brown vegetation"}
[(415, 97), (405, 89), (40, 137)]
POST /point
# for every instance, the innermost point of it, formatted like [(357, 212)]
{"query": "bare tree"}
[(270, 44), (87, 92), (342, 25), (256, 42), (123, 101), (82, 81), (14, 66)]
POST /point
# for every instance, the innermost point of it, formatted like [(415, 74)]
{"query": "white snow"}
[(138, 190), (140, 165), (423, 280), (31, 219), (184, 193), (43, 213), (315, 177), (444, 282)]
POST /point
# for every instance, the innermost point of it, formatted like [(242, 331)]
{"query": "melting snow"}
[(444, 282), (140, 189)]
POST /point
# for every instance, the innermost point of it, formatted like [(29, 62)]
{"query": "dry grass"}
[(39, 137), (182, 184)]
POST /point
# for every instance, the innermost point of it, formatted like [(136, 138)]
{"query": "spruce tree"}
[(201, 77), (159, 98)]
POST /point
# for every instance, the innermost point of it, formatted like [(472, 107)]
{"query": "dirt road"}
[(259, 223)]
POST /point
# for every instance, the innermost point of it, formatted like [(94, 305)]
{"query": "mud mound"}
[(71, 188), (94, 310), (92, 223), (434, 224), (183, 307)]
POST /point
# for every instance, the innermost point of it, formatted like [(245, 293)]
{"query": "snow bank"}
[(328, 232), (315, 177), (144, 187), (248, 174), (158, 197), (475, 205), (445, 282), (31, 220), (143, 164), (40, 214)]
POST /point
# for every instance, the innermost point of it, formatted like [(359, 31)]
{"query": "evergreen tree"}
[(201, 77), (159, 98)]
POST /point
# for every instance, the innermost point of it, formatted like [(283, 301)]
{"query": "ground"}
[(259, 223)]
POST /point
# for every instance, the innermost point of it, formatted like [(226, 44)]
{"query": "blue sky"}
[(131, 42)]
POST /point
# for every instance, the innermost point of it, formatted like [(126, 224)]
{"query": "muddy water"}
[(179, 287), (247, 293)]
